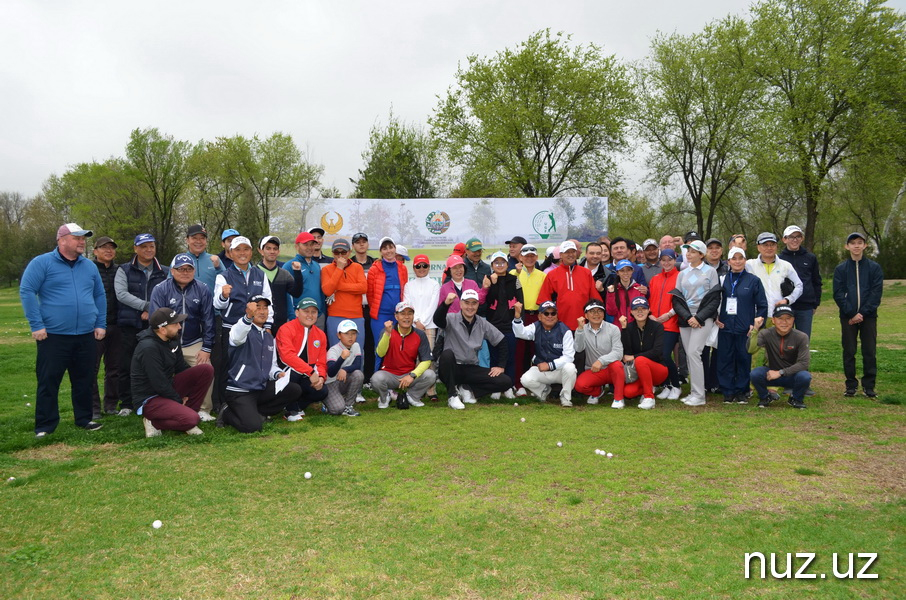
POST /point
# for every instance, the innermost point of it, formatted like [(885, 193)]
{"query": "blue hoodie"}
[(63, 299)]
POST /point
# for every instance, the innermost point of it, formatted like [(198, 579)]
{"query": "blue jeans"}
[(804, 320), (799, 382)]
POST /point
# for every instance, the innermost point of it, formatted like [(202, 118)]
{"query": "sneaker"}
[(401, 402), (394, 395), (360, 399), (593, 399), (195, 431), (767, 400), (729, 400), (466, 394), (92, 426), (521, 393), (455, 403), (686, 399), (665, 391), (220, 413), (712, 390), (383, 400), (849, 393), (124, 412), (205, 416), (870, 393), (96, 416), (693, 401), (545, 393), (742, 398), (323, 408), (646, 403), (41, 434), (510, 394), (787, 391), (674, 393), (150, 430), (495, 396), (566, 403), (350, 411), (810, 392), (796, 403), (414, 401), (618, 404), (367, 386), (294, 416)]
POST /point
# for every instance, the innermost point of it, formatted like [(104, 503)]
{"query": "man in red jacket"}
[(570, 286), (302, 347)]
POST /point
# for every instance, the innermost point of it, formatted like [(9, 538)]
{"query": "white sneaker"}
[(618, 404), (360, 399), (294, 417), (693, 401), (150, 430), (545, 394), (124, 412), (383, 400), (521, 393), (510, 393), (414, 401), (455, 403), (665, 391), (646, 403), (195, 431), (566, 403), (495, 396), (394, 395), (466, 394), (674, 393), (594, 399), (205, 416)]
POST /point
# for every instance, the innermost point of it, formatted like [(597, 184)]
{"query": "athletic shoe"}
[(323, 408), (350, 411), (360, 399), (713, 390), (401, 402), (414, 401), (95, 416), (693, 401), (665, 391), (394, 395), (455, 403), (618, 404), (205, 416), (674, 393), (466, 394), (796, 403), (788, 391), (849, 393), (41, 434), (870, 393), (495, 396), (383, 400), (686, 399), (124, 412), (767, 400), (195, 431), (92, 426), (742, 398), (150, 430), (729, 400), (810, 392), (367, 386), (545, 394), (566, 403), (593, 399), (510, 394), (646, 403), (521, 393), (294, 416)]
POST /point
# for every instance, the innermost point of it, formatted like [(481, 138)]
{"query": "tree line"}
[(794, 114)]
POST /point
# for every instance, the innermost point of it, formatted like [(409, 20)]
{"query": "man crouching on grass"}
[(787, 351), (166, 391)]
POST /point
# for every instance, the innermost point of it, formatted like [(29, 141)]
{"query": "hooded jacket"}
[(154, 364)]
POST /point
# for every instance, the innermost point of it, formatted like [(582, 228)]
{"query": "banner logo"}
[(544, 224), (438, 222), (333, 224)]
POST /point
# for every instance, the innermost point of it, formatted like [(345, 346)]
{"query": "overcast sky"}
[(78, 76)]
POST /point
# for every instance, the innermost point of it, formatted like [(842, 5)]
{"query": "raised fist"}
[(225, 290)]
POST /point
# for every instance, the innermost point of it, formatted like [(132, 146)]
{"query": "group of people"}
[(251, 340)]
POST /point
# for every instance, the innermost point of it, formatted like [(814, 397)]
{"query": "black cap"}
[(691, 235), (193, 229), (260, 298), (517, 239), (104, 240), (783, 309), (359, 236), (714, 241), (164, 316)]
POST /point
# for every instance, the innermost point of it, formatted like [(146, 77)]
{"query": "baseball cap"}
[(668, 252), (691, 235), (459, 249), (306, 303), (421, 259), (359, 236), (240, 240), (386, 240), (401, 306), (454, 260), (766, 236), (260, 298), (304, 237), (403, 251), (650, 242), (567, 245), (196, 229), (340, 244), (474, 244), (164, 316), (469, 295), (640, 302), (854, 235), (347, 325), (318, 229), (182, 260), (714, 241), (783, 309), (104, 240), (734, 251), (528, 249), (228, 233), (517, 239), (497, 255), (73, 229), (547, 304), (622, 264), (268, 238), (143, 238), (791, 230), (594, 304), (697, 245)]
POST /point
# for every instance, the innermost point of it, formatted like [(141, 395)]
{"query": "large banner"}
[(444, 222)]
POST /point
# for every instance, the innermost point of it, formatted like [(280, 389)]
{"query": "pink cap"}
[(304, 237), (454, 260)]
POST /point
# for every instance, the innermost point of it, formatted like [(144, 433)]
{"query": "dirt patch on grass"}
[(54, 452)]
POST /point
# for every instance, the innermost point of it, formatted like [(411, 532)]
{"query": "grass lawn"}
[(432, 503)]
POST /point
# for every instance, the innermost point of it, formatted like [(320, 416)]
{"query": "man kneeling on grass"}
[(166, 391), (787, 351), (554, 353), (251, 393), (406, 364)]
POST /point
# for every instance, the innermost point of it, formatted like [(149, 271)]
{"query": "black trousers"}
[(307, 394), (867, 333), (246, 410), (476, 377), (220, 360), (108, 351), (56, 355), (128, 342)]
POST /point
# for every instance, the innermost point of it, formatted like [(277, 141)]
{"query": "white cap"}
[(650, 242), (497, 255), (239, 240), (734, 251), (791, 230), (567, 245), (386, 239), (469, 295), (697, 245), (402, 251), (347, 325), (401, 306)]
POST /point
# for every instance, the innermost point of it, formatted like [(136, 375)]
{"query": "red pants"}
[(164, 413), (650, 374), (589, 383)]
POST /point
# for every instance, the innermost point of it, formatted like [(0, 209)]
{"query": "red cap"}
[(421, 258), (459, 249), (304, 237)]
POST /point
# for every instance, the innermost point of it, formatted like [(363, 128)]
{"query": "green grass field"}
[(434, 503)]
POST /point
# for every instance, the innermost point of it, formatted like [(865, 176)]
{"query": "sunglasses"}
[(421, 266), (548, 313), (341, 252)]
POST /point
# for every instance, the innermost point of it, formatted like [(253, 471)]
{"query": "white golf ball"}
[(11, 479), (609, 455), (307, 475), (559, 444), (597, 451), (156, 524), (28, 404), (522, 419), (515, 404)]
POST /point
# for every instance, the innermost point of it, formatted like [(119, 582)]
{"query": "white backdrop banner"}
[(444, 222)]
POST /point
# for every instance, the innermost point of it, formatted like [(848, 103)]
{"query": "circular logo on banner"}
[(437, 222), (544, 224), (331, 222)]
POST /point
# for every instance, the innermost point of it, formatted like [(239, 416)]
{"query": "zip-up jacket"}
[(195, 300), (246, 285), (789, 352), (707, 309), (858, 287), (751, 302), (620, 299), (806, 265), (154, 364), (253, 357), (659, 298), (781, 271), (377, 278), (293, 341), (603, 345), (63, 299), (423, 293), (284, 284), (467, 284), (402, 354), (311, 284), (205, 271), (465, 339), (501, 300), (553, 346), (571, 289), (346, 286), (647, 342), (108, 276), (133, 291)]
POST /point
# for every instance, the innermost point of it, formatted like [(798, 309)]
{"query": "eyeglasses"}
[(549, 314), (184, 270), (421, 266)]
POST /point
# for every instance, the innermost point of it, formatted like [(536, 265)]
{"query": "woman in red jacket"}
[(661, 304), (621, 294), (387, 279)]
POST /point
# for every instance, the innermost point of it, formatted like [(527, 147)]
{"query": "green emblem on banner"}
[(544, 224)]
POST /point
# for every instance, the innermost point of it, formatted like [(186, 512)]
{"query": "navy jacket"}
[(863, 298), (806, 265), (195, 300), (138, 286), (253, 357), (751, 302)]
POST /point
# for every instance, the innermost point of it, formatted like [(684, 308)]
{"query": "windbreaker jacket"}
[(571, 289), (311, 285), (154, 364), (253, 357), (63, 299), (781, 271), (619, 300), (858, 287), (195, 300), (806, 265), (289, 344), (751, 302)]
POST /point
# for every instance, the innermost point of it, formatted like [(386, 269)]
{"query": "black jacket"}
[(108, 275), (154, 364), (707, 308), (500, 300), (649, 344), (806, 265), (867, 297)]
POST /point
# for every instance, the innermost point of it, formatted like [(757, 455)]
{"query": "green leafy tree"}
[(483, 220), (543, 120)]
